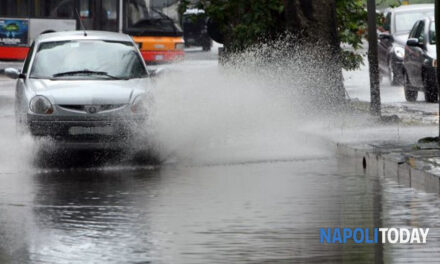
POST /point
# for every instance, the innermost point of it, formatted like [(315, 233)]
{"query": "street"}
[(240, 183), (357, 85)]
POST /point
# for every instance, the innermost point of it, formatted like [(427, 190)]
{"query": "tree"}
[(323, 24), (246, 22), (315, 22)]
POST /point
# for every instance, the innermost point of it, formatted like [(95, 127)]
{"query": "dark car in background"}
[(195, 29), (398, 23), (420, 62)]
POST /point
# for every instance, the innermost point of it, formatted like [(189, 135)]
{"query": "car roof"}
[(405, 8), (80, 35), (427, 18)]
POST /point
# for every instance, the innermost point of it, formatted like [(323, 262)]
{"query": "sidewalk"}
[(416, 166), (357, 84)]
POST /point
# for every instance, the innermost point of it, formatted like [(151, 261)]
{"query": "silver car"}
[(82, 87)]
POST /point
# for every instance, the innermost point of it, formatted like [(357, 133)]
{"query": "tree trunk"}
[(314, 23)]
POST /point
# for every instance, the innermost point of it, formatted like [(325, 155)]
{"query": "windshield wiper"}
[(86, 72), (165, 17)]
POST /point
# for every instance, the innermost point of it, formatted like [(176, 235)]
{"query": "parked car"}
[(391, 46), (79, 87), (420, 62), (195, 29)]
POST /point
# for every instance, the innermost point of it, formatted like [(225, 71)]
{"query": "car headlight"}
[(399, 52), (180, 46), (41, 105), (139, 105)]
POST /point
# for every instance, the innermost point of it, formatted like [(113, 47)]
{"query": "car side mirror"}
[(385, 35), (13, 73), (413, 42)]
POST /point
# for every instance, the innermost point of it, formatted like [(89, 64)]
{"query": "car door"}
[(385, 43), (407, 61), (415, 55), (419, 55), (20, 89)]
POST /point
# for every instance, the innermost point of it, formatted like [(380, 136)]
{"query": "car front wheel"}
[(431, 91), (410, 93), (392, 74)]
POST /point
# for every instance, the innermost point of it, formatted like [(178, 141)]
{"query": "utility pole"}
[(437, 41), (372, 59)]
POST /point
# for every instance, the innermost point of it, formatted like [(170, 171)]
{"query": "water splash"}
[(254, 107)]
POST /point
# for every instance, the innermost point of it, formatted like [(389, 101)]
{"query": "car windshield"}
[(432, 33), (87, 59), (143, 19), (405, 21)]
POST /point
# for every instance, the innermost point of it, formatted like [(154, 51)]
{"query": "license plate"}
[(107, 130), (158, 57)]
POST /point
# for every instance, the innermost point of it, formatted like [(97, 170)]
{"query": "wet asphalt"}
[(102, 207)]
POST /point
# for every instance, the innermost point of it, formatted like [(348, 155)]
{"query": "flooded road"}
[(234, 199), (250, 213)]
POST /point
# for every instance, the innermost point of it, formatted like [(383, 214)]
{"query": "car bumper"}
[(397, 68), (99, 131), (163, 56)]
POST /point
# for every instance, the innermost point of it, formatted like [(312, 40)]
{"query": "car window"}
[(117, 59), (145, 16), (432, 39), (413, 31), (405, 21), (420, 32), (54, 9), (28, 58), (387, 24)]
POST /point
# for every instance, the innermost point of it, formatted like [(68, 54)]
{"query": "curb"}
[(406, 169)]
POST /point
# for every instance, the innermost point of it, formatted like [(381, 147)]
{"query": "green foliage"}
[(352, 16), (246, 22), (183, 5)]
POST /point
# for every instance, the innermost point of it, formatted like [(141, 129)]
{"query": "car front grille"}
[(92, 108)]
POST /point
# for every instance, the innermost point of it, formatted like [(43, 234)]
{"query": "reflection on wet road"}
[(269, 212), (262, 199)]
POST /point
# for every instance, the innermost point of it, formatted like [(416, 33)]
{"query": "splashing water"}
[(261, 106), (252, 109)]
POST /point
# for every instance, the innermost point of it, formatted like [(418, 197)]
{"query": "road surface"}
[(357, 84), (242, 184)]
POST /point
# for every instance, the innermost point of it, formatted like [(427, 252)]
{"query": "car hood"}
[(401, 39), (87, 92)]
